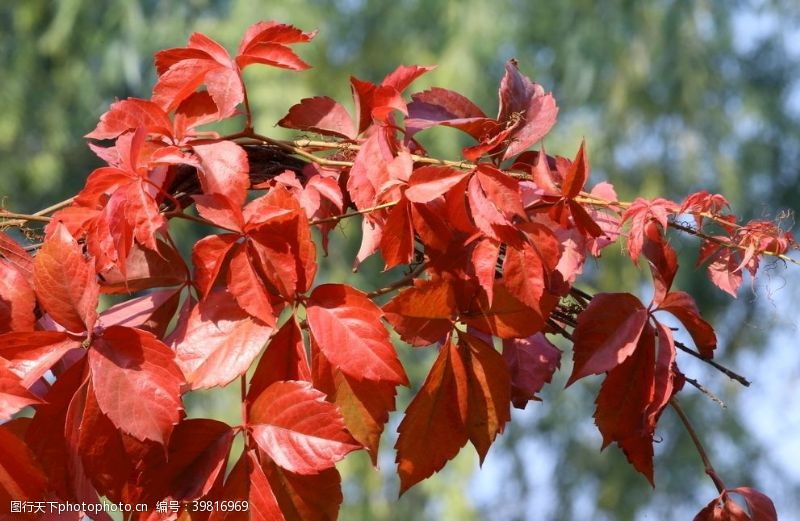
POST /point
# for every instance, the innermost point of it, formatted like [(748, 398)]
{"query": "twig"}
[(721, 368), (337, 218), (703, 389), (24, 217), (405, 281), (709, 468)]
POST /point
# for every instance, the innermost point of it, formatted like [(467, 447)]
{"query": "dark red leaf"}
[(315, 497), (623, 401), (506, 317), (267, 43), (760, 506), (607, 333), (196, 458), (21, 479), (531, 363)]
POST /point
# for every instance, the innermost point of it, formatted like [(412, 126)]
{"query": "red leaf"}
[(576, 176), (489, 388), (151, 312), (664, 377), (21, 479), (662, 260), (196, 458), (397, 241), (217, 342), (298, 429), (208, 256), (17, 299), (13, 396), (607, 333), (524, 274), (102, 450), (315, 497), (145, 269), (284, 359), (423, 314), (439, 106), (65, 282), (29, 355), (683, 306), (642, 211), (760, 506), (321, 115), (13, 254), (623, 401), (484, 263), (266, 42), (130, 114), (723, 508), (136, 382), (369, 171), (224, 170), (429, 182), (245, 284), (365, 405), (347, 326), (434, 428), (531, 363)]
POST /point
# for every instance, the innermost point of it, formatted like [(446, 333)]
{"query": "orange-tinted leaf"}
[(365, 405), (322, 115), (423, 314), (136, 382), (218, 341), (623, 401), (298, 429), (284, 359), (524, 274), (489, 387), (65, 282), (683, 306), (434, 427), (531, 363), (506, 317), (347, 327), (607, 333), (484, 263)]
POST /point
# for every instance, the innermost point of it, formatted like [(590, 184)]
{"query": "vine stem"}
[(709, 468), (405, 281), (337, 218), (719, 367)]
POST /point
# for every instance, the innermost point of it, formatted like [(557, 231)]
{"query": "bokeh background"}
[(671, 96)]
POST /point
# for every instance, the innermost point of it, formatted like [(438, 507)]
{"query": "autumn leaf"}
[(531, 363), (298, 429), (434, 427), (424, 313), (347, 327), (136, 382), (65, 282)]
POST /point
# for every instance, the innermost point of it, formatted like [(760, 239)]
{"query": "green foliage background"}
[(671, 96)]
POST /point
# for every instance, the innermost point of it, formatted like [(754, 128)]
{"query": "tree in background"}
[(637, 92)]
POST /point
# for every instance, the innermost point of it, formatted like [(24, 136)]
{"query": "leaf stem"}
[(405, 281), (709, 468), (721, 368)]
